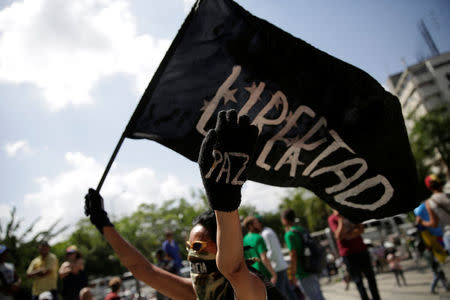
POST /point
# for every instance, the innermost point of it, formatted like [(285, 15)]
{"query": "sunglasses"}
[(196, 246)]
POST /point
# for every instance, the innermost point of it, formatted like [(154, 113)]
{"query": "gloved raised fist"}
[(93, 207), (224, 157)]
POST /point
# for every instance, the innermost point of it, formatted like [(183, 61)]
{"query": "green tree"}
[(311, 211), (430, 135), (154, 221), (296, 201), (247, 210)]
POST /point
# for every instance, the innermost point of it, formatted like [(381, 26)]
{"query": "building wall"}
[(422, 87)]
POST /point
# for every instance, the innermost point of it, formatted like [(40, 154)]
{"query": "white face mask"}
[(208, 282)]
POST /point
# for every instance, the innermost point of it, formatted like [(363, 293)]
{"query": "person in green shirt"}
[(308, 283), (255, 247)]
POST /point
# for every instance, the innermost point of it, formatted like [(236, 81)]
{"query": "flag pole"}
[(111, 160)]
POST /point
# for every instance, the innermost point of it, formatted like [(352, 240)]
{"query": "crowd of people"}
[(224, 263), (44, 271)]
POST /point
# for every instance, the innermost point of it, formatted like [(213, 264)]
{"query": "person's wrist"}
[(224, 201), (101, 220)]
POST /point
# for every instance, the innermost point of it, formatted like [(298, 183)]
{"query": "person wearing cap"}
[(438, 208), (71, 257), (72, 274), (114, 285), (9, 280), (43, 270)]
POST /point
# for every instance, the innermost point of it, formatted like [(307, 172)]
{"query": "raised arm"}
[(230, 257), (230, 253), (171, 285), (223, 159), (339, 233)]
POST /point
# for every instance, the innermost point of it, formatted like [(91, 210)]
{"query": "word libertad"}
[(342, 191)]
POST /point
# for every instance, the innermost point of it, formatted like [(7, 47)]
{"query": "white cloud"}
[(63, 195), (65, 47), (172, 188), (18, 148), (188, 5), (265, 197)]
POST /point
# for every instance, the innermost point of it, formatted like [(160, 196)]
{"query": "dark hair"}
[(160, 253), (44, 243), (288, 215), (208, 220), (115, 283), (249, 221), (435, 186)]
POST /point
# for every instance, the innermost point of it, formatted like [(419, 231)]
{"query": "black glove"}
[(224, 158), (93, 207)]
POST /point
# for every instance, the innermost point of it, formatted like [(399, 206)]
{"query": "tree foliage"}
[(431, 133), (430, 137), (311, 211)]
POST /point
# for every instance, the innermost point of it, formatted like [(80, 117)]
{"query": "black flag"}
[(323, 124)]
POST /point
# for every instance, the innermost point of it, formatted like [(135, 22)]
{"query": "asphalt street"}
[(418, 279)]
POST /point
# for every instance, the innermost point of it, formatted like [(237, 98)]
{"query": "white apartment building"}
[(422, 87)]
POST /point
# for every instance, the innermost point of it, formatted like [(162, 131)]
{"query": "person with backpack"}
[(438, 208), (354, 253), (307, 281)]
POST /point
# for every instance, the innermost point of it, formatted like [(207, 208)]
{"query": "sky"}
[(72, 73)]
